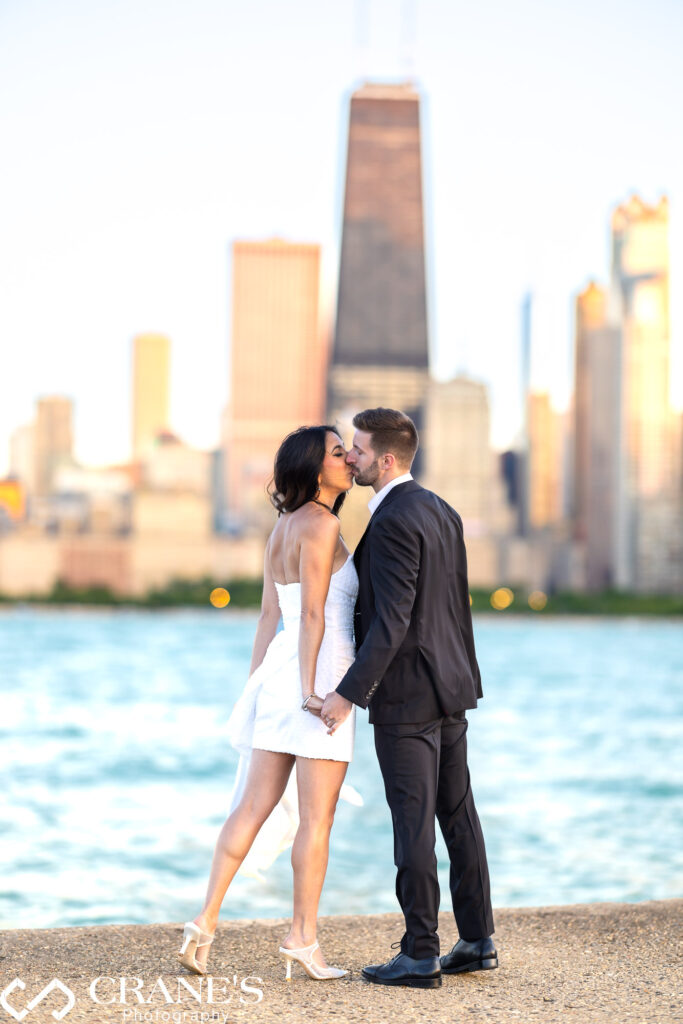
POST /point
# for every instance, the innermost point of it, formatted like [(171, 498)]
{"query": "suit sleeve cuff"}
[(357, 694)]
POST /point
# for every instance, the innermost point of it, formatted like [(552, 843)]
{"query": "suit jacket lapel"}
[(395, 492)]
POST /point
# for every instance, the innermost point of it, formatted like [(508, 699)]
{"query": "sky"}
[(141, 137)]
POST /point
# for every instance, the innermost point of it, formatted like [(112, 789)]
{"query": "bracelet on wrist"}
[(306, 700)]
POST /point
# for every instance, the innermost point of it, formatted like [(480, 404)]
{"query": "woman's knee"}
[(251, 812), (317, 820)]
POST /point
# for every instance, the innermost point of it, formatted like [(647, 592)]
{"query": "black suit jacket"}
[(415, 659)]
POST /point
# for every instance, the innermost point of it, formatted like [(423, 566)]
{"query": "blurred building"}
[(173, 502), (544, 461), (520, 464), (172, 516), (460, 466), (21, 458), (52, 441), (87, 500), (648, 512), (627, 506), (381, 352), (172, 465), (126, 532), (596, 435), (279, 361), (12, 503), (32, 561), (151, 384), (511, 473)]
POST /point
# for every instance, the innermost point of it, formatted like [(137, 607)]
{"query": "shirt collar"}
[(378, 498)]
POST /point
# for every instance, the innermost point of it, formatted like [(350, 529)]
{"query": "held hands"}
[(314, 704), (335, 710)]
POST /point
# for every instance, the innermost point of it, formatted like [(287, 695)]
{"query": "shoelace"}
[(395, 945)]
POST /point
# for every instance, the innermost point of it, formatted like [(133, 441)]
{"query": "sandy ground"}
[(615, 962)]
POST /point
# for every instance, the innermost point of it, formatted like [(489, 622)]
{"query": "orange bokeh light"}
[(502, 598), (219, 597)]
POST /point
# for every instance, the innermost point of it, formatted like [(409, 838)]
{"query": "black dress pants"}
[(425, 773)]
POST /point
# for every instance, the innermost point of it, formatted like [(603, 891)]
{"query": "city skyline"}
[(121, 202), (612, 520)]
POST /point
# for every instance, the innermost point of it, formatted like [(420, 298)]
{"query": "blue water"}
[(116, 771)]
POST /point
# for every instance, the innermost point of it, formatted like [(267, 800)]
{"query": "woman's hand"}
[(314, 705)]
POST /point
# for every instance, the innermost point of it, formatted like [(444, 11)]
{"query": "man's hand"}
[(335, 710)]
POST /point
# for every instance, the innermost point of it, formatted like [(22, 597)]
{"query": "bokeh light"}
[(219, 597), (537, 600), (502, 598)]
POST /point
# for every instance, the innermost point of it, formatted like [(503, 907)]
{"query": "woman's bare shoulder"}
[(316, 523)]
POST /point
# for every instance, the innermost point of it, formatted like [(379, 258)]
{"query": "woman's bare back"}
[(284, 544)]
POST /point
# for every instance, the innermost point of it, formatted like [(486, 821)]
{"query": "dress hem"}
[(273, 750)]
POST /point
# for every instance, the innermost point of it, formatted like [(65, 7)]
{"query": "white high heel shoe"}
[(305, 958), (192, 940)]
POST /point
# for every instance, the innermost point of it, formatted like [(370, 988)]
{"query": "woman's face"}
[(334, 472)]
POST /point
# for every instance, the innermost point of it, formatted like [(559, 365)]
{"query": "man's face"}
[(362, 460)]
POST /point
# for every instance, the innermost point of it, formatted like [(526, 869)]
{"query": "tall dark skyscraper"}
[(381, 352)]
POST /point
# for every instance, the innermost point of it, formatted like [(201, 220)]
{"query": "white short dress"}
[(268, 714)]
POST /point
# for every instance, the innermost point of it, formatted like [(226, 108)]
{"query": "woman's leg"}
[(266, 782), (318, 784)]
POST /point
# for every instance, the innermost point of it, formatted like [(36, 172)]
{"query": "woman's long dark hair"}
[(298, 463)]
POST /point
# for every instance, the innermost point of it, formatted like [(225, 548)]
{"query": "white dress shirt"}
[(378, 498)]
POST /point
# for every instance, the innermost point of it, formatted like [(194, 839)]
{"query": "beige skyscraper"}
[(279, 361), (151, 383), (596, 435), (648, 509), (545, 461), (52, 440)]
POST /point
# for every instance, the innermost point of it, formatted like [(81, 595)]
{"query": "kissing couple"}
[(389, 629)]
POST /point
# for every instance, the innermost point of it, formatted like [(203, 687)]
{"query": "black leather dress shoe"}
[(403, 970), (479, 955)]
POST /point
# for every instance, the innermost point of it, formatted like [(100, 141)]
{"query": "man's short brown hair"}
[(391, 432)]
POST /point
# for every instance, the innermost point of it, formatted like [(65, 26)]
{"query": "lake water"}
[(116, 771)]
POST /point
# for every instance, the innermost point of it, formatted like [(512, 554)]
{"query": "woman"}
[(309, 580)]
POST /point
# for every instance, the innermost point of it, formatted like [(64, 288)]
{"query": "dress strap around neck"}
[(323, 505)]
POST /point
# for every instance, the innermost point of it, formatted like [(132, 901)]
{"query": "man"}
[(417, 671)]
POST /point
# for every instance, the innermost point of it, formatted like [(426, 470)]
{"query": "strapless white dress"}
[(268, 714)]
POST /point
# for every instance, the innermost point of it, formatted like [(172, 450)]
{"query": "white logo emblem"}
[(20, 1014)]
